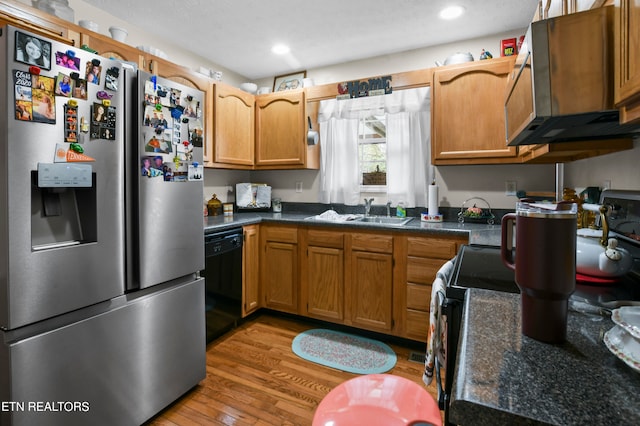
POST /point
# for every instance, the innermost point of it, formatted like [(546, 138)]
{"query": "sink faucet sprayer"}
[(367, 206), (388, 208)]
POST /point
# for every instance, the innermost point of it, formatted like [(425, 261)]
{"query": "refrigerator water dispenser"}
[(63, 206)]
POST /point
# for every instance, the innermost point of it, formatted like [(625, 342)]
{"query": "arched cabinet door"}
[(281, 130), (467, 113), (190, 78), (234, 124), (110, 48)]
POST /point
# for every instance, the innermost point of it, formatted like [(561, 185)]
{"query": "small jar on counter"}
[(214, 206)]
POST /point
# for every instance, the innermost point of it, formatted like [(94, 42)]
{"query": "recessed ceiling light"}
[(451, 12), (280, 49)]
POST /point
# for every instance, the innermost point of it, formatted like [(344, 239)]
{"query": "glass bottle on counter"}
[(214, 206)]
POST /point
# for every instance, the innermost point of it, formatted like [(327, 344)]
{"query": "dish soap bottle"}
[(401, 210), (214, 206)]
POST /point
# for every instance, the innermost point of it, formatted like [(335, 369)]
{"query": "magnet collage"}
[(171, 129), (36, 94)]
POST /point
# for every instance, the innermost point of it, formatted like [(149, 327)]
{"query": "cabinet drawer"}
[(418, 297), (372, 243), (282, 234), (421, 270), (325, 238), (417, 326), (432, 247)]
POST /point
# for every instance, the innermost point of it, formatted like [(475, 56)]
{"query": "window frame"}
[(381, 117)]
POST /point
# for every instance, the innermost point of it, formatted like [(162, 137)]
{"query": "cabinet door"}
[(279, 268), (371, 291), (31, 19), (281, 129), (110, 48), (323, 284), (233, 118), (627, 59), (467, 111), (250, 270), (190, 78)]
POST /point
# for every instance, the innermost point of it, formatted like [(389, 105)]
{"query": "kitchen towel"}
[(433, 200), (437, 337)]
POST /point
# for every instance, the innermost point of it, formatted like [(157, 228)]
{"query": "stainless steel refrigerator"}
[(101, 302)]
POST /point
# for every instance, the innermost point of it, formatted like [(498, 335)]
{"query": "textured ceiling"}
[(238, 34)]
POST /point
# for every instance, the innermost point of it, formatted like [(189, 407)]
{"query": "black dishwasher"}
[(223, 281)]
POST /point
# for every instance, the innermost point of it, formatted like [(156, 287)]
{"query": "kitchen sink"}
[(386, 220)]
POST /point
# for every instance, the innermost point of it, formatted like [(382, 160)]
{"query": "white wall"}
[(621, 169)]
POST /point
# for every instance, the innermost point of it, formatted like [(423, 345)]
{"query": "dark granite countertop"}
[(505, 378), (484, 234)]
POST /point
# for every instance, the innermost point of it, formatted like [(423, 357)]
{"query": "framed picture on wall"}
[(289, 81)]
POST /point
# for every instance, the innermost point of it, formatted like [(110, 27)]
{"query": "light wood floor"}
[(253, 378)]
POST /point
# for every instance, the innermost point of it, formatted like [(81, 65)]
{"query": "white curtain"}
[(408, 146)]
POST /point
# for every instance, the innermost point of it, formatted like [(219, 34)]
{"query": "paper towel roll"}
[(433, 200)]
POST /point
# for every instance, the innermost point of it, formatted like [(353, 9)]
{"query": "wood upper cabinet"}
[(279, 267), (369, 301), (281, 130), (109, 48), (192, 79), (250, 269), (553, 8), (322, 275), (233, 141), (467, 113), (627, 59), (31, 19)]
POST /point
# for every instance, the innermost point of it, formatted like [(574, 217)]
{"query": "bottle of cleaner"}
[(401, 211)]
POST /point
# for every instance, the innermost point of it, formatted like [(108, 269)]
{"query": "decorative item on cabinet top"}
[(289, 81)]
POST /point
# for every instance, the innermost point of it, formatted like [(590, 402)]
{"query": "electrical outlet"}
[(510, 188), (606, 184), (298, 186)]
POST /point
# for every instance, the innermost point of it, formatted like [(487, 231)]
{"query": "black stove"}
[(480, 266)]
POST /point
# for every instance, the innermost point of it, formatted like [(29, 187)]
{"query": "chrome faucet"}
[(388, 208), (367, 206)]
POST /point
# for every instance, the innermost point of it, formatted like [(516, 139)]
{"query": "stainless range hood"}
[(561, 88)]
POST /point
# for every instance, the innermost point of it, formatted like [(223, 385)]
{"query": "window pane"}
[(373, 157), (372, 150)]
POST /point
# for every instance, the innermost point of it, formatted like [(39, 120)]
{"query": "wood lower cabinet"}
[(347, 278), (370, 271), (424, 257), (322, 275), (467, 113), (627, 60), (373, 280), (279, 267), (250, 269)]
